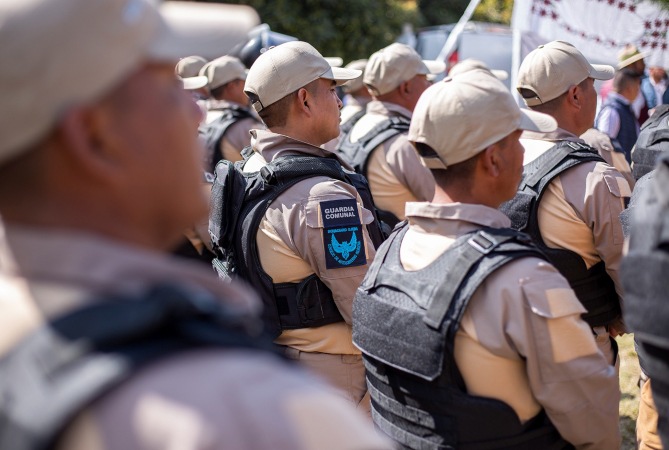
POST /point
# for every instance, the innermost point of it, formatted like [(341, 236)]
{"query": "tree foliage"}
[(437, 12), (350, 29)]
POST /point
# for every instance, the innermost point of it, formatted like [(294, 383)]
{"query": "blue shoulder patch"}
[(343, 239)]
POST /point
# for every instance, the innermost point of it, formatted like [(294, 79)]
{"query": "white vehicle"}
[(487, 42)]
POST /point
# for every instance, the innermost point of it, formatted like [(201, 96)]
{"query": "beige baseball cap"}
[(551, 69), (463, 115), (190, 66), (470, 64), (284, 69), (60, 53), (395, 64), (354, 85), (223, 70)]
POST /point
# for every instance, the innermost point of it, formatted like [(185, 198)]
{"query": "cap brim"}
[(500, 74), (192, 83), (334, 61), (601, 72), (435, 67), (536, 121), (341, 75), (186, 32)]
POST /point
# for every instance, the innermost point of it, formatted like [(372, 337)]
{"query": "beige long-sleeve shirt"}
[(580, 208), (394, 170), (292, 246), (521, 339), (204, 399)]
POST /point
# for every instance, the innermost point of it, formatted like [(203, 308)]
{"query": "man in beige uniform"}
[(229, 118), (579, 208), (357, 96), (97, 179), (293, 89), (507, 362), (396, 77)]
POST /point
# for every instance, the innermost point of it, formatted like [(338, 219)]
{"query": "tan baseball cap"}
[(354, 85), (463, 115), (551, 69), (470, 64), (190, 66), (60, 53), (284, 69), (395, 64), (223, 70), (629, 55)]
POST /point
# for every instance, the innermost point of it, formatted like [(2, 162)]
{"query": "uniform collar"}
[(387, 109), (223, 104), (558, 135), (453, 219), (273, 145)]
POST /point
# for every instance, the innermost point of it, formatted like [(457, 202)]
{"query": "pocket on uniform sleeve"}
[(620, 189), (560, 335)]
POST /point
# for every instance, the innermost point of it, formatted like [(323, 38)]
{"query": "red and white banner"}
[(598, 28)]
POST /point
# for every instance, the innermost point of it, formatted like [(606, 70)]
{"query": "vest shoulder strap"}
[(76, 359), (357, 153)]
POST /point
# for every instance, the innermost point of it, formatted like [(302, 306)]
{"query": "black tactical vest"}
[(213, 133), (645, 277), (405, 324), (71, 362), (652, 142), (357, 153), (593, 287), (234, 222)]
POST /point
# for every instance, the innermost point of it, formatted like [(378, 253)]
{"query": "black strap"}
[(74, 360), (552, 158)]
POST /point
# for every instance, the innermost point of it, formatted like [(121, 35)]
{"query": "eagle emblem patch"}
[(342, 234)]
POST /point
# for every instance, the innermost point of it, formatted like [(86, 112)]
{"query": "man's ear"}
[(575, 97), (405, 88), (304, 101), (490, 160), (88, 143)]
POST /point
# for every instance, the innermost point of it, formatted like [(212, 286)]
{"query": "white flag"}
[(598, 28)]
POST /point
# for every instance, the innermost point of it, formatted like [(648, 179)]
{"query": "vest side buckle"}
[(482, 242)]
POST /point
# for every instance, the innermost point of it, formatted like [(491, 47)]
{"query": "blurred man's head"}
[(657, 73), (105, 140), (557, 79), (627, 84), (189, 68), (397, 74), (226, 76), (292, 87), (466, 130), (356, 87)]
